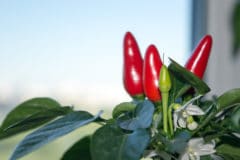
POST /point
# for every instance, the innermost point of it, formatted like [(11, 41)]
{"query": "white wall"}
[(223, 71)]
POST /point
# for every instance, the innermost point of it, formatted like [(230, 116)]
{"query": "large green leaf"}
[(228, 99), (229, 120), (179, 143), (80, 150), (141, 117), (110, 142), (235, 120), (178, 88), (31, 114), (52, 131), (123, 108), (228, 152), (230, 139), (225, 102), (188, 78)]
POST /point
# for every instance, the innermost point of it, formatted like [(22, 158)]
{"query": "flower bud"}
[(191, 124), (164, 80)]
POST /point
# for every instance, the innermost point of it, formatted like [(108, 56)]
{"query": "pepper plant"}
[(174, 120)]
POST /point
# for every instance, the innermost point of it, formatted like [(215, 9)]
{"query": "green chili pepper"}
[(165, 86), (164, 81)]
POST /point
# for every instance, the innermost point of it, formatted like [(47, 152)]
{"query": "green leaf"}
[(31, 114), (140, 118), (235, 120), (228, 104), (179, 143), (229, 120), (166, 156), (80, 150), (228, 152), (228, 99), (110, 142), (206, 157), (178, 88), (188, 78), (230, 140), (174, 145), (52, 131), (123, 108)]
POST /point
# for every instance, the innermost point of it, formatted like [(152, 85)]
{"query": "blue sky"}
[(72, 49)]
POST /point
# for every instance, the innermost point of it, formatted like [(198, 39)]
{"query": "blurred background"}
[(72, 51)]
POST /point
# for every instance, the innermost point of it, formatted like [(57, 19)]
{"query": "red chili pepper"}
[(132, 67), (197, 63), (151, 70)]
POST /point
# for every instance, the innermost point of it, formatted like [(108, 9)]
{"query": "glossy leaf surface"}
[(188, 78), (110, 142), (228, 99), (123, 108), (80, 150), (31, 114), (52, 131), (141, 117)]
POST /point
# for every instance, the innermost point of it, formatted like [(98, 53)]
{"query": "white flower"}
[(182, 115), (196, 148)]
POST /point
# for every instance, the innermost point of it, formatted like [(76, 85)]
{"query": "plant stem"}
[(170, 119), (205, 122), (165, 111)]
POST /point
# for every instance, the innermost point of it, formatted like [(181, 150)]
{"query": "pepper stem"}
[(165, 111), (170, 119)]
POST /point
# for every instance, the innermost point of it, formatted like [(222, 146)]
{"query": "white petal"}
[(146, 158), (150, 153), (195, 143), (204, 153), (184, 156), (184, 114), (182, 122), (191, 101), (206, 150), (175, 119), (197, 157), (216, 157), (194, 157), (194, 110)]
